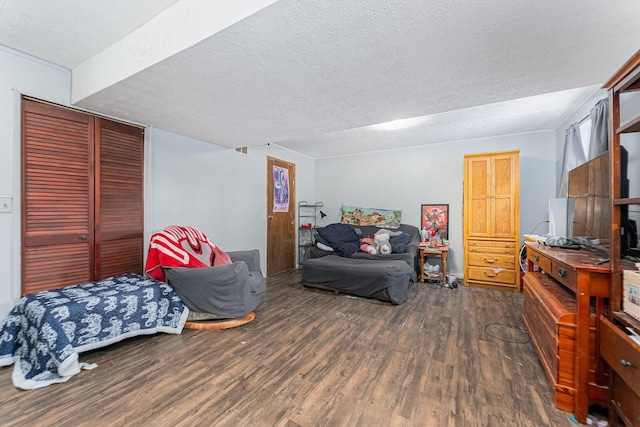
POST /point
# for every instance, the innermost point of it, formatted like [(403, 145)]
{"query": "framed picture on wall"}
[(435, 217)]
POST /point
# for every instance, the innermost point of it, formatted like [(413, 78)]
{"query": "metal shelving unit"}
[(307, 227)]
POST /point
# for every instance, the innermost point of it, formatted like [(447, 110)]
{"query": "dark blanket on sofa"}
[(342, 238)]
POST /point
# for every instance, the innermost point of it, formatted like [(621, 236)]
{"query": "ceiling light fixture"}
[(400, 124)]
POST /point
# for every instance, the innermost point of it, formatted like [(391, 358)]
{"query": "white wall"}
[(215, 189), (19, 74), (406, 178)]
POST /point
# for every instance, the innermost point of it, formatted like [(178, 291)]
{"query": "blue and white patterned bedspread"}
[(45, 331)]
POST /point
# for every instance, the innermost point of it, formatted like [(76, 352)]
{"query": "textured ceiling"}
[(313, 76)]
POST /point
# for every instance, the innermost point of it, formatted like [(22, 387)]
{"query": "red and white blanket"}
[(179, 246)]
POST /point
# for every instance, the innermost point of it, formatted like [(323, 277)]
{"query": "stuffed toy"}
[(385, 242), (399, 243), (382, 244), (370, 249), (368, 245)]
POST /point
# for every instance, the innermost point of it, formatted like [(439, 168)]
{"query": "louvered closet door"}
[(119, 199), (82, 197), (57, 210)]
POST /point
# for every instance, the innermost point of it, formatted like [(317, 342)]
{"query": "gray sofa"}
[(225, 291), (410, 256), (345, 269)]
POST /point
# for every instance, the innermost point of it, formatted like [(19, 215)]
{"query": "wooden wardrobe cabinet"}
[(82, 197), (492, 220)]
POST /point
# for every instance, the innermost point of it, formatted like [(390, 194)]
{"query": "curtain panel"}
[(573, 157), (599, 142)]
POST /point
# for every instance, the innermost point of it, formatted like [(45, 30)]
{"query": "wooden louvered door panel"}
[(82, 197), (57, 210), (119, 198)]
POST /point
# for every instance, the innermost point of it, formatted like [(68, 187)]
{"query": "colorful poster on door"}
[(280, 189)]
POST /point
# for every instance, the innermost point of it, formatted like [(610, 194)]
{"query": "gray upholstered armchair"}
[(220, 292)]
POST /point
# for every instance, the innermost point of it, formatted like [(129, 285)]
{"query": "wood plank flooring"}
[(447, 357)]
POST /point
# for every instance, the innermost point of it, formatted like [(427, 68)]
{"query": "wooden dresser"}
[(565, 292)]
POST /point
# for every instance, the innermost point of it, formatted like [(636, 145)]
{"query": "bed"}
[(45, 332)]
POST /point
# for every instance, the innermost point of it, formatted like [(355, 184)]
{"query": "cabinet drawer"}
[(626, 401), (542, 261), (492, 260), (489, 274), (621, 353), (563, 274), (492, 246)]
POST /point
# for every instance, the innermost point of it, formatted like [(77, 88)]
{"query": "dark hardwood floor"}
[(447, 357)]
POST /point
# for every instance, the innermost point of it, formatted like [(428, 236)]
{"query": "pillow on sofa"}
[(324, 247), (399, 243), (320, 239), (383, 218)]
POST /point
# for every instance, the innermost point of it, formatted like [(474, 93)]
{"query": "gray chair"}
[(221, 292)]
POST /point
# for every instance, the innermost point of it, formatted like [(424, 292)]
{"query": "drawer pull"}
[(562, 272), (625, 363), (536, 257), (486, 273), (490, 261)]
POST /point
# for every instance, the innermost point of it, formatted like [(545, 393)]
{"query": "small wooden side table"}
[(435, 252)]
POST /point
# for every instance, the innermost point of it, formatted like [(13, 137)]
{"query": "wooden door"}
[(477, 209), (82, 197), (491, 188), (281, 216), (57, 207), (119, 224), (505, 188)]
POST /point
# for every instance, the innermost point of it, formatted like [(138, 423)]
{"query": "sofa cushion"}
[(387, 280), (229, 290)]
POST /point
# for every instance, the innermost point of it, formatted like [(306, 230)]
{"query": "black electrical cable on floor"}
[(486, 327)]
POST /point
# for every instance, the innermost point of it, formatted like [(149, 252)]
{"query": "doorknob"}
[(83, 237)]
